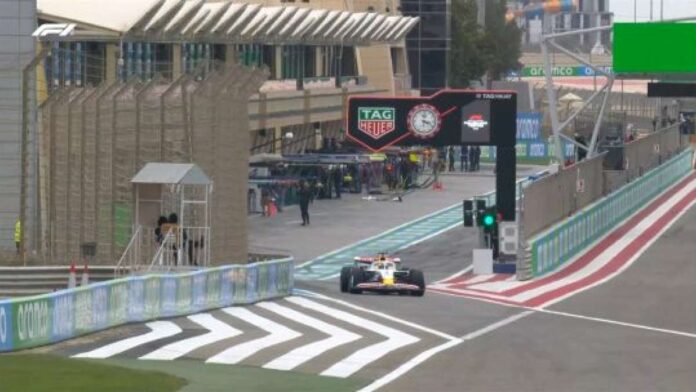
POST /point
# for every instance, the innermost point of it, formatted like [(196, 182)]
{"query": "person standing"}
[(18, 236), (581, 152), (464, 158), (305, 197), (451, 159), (472, 158), (338, 180)]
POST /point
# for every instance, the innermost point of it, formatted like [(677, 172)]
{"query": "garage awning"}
[(223, 22)]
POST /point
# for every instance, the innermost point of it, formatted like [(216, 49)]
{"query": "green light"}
[(488, 220)]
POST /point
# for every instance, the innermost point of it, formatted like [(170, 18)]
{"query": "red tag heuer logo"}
[(376, 122), (476, 122)]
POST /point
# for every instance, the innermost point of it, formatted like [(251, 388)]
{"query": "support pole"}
[(551, 93), (24, 153), (600, 117)]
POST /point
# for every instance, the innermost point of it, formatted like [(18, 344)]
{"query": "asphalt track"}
[(636, 332)]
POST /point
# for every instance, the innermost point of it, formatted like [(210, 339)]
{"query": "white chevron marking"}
[(218, 331), (361, 358), (277, 334), (338, 336), (160, 330)]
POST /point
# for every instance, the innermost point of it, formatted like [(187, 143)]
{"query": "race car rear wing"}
[(372, 259)]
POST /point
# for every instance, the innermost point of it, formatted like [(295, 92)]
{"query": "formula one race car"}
[(382, 274)]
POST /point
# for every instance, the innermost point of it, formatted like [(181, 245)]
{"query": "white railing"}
[(130, 255), (183, 248)]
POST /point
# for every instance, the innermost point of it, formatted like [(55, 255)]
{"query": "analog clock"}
[(424, 121)]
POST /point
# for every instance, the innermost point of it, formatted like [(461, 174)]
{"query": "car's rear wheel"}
[(356, 277), (418, 280), (345, 278)]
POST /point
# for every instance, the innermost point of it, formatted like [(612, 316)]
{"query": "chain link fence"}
[(92, 141)]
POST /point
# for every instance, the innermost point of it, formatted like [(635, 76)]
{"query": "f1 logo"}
[(54, 29)]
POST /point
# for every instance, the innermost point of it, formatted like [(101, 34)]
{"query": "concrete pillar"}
[(278, 62), (278, 137), (176, 61), (111, 63)]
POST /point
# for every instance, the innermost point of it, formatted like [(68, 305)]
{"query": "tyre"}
[(417, 279), (356, 277), (345, 279)]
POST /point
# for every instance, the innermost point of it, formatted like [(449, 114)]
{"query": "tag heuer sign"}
[(376, 122), (476, 122)]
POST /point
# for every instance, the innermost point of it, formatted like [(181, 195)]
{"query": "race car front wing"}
[(386, 287)]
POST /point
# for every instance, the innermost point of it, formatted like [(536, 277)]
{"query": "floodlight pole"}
[(556, 126)]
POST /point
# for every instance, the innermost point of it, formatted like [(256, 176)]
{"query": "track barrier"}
[(50, 318)]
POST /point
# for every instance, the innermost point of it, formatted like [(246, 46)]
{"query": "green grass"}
[(39, 373), (204, 377), (48, 373)]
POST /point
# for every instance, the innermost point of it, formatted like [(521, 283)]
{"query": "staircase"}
[(24, 281)]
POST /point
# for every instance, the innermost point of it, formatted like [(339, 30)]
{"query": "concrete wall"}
[(17, 47), (555, 197)]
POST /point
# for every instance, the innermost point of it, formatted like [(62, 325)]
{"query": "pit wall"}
[(50, 318), (563, 241)]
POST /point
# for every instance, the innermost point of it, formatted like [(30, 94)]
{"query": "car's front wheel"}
[(418, 279), (356, 277), (345, 278)]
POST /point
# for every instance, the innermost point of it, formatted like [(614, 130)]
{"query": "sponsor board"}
[(5, 326), (83, 311), (564, 71), (32, 323), (136, 299), (376, 121), (68, 313), (63, 316), (529, 126), (168, 299), (118, 301)]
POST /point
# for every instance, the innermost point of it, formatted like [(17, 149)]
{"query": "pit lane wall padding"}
[(50, 318), (559, 244)]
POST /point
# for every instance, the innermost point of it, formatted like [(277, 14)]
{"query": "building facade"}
[(314, 54), (428, 44)]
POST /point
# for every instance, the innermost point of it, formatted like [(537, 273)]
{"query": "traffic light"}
[(488, 220), (480, 210), (468, 213)]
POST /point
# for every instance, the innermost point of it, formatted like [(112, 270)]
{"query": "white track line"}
[(612, 251), (385, 316), (477, 279), (499, 324), (408, 366), (218, 331), (361, 358), (277, 334), (337, 337), (621, 323), (425, 355), (456, 274), (159, 330)]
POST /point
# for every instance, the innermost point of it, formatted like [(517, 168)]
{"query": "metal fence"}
[(94, 139)]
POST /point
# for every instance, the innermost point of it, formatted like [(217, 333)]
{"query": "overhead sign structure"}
[(450, 117)]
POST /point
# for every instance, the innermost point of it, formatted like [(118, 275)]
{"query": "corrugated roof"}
[(226, 22), (171, 173)]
